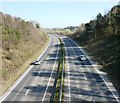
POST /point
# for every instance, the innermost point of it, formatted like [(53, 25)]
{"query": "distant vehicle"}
[(82, 58), (36, 62)]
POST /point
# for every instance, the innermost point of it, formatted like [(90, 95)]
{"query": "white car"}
[(36, 62), (82, 58)]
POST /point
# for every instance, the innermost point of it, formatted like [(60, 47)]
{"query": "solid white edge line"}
[(50, 76), (13, 99), (21, 77), (97, 72), (68, 73), (24, 86)]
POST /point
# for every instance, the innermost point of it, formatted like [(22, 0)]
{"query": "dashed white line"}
[(85, 77), (83, 73), (27, 91), (39, 72), (69, 82), (50, 77), (21, 88), (97, 72), (68, 74), (2, 98), (93, 101)]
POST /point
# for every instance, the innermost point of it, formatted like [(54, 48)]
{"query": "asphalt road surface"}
[(37, 85), (83, 80)]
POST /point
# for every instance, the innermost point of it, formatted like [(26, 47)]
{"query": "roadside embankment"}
[(22, 42)]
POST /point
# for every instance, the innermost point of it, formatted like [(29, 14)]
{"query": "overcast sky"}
[(57, 14)]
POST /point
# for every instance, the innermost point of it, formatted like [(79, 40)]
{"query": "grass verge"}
[(23, 68)]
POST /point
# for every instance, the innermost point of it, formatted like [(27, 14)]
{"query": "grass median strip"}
[(59, 92)]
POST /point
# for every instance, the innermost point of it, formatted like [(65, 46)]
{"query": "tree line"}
[(108, 24)]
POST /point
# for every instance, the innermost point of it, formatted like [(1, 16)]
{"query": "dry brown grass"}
[(10, 76), (22, 42)]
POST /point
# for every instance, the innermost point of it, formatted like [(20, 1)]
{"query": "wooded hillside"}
[(21, 40)]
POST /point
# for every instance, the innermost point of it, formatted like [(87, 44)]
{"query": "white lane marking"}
[(50, 76), (85, 77), (26, 83), (83, 73), (29, 89), (108, 86), (93, 101), (20, 78), (21, 88), (39, 72), (28, 80), (79, 63), (98, 88), (68, 72), (14, 85), (97, 72), (69, 81), (27, 92)]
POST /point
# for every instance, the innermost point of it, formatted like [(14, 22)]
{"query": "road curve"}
[(37, 85), (83, 81)]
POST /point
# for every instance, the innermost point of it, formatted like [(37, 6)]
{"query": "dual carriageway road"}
[(83, 81)]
